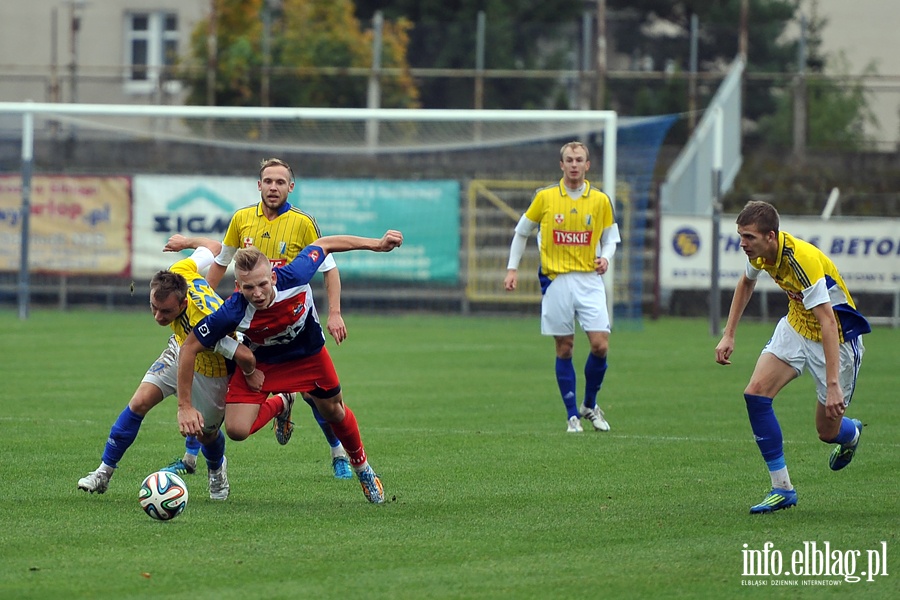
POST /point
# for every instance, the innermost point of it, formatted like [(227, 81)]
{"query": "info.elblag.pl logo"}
[(816, 563)]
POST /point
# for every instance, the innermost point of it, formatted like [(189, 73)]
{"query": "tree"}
[(444, 37), (305, 35), (837, 111)]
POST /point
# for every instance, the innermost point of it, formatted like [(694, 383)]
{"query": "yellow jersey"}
[(202, 301), (799, 268), (569, 229), (280, 239)]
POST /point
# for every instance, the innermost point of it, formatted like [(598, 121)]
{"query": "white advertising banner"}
[(191, 206), (866, 251)]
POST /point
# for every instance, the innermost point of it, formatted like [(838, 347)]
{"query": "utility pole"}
[(75, 7), (212, 50), (692, 81), (601, 54), (800, 115)]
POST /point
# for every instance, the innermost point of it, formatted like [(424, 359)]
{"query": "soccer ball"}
[(163, 495)]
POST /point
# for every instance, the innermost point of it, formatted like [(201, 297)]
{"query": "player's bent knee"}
[(237, 433)]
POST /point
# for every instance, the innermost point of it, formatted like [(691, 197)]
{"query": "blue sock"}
[(191, 445), (594, 371), (565, 379), (845, 435), (121, 436), (214, 452), (324, 425), (766, 429)]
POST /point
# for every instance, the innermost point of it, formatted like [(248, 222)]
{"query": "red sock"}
[(348, 432), (267, 411)]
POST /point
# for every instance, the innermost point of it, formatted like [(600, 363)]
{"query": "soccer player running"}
[(577, 237), (180, 298), (274, 310), (821, 332), (281, 231)]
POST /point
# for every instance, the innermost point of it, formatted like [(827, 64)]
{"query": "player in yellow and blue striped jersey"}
[(820, 333), (577, 237), (179, 298)]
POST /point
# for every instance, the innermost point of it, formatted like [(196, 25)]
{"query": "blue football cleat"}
[(179, 467), (342, 468), (842, 455), (776, 500)]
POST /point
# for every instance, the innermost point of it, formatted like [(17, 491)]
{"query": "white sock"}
[(338, 451), (781, 479)]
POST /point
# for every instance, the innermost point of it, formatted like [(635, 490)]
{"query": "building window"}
[(151, 41)]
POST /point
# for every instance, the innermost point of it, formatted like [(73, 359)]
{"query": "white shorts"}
[(802, 353), (207, 393), (571, 296)]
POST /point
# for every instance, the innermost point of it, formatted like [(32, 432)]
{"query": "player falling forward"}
[(281, 231), (274, 310)]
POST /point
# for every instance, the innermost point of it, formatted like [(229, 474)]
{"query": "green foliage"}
[(837, 111), (304, 34), (490, 498), (520, 34)]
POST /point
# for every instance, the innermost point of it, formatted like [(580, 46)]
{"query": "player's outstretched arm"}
[(345, 243), (178, 242)]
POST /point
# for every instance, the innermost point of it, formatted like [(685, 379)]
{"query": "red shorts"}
[(304, 375)]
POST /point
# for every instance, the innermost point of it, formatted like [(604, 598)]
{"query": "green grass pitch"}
[(489, 496)]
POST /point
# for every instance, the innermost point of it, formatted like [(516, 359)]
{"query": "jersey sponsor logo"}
[(314, 255), (277, 262), (571, 238), (558, 218), (248, 241)]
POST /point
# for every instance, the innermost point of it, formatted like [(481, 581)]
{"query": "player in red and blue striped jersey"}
[(275, 312), (281, 231), (577, 236)]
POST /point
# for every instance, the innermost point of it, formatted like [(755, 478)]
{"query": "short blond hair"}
[(247, 259), (573, 145), (274, 162)]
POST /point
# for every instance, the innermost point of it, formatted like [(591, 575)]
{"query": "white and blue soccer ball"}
[(163, 495)]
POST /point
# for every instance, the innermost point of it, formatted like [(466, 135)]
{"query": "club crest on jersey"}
[(558, 218), (571, 238), (587, 221), (314, 255), (248, 241), (282, 248)]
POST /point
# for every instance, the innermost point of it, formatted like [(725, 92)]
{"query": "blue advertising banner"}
[(427, 212)]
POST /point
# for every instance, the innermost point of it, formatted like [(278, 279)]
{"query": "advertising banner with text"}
[(77, 225), (866, 251), (427, 212)]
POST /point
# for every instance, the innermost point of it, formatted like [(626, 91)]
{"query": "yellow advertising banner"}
[(77, 224)]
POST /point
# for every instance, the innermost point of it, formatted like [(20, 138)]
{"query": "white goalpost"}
[(312, 131)]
